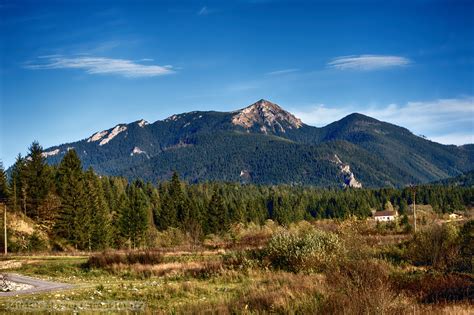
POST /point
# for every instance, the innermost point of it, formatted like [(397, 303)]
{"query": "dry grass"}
[(202, 270), (361, 287), (283, 293), (106, 259), (267, 292), (436, 287)]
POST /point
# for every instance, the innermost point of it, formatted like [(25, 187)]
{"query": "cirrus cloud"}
[(99, 65), (282, 72), (367, 62)]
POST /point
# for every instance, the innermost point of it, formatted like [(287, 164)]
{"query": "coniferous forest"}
[(85, 211)]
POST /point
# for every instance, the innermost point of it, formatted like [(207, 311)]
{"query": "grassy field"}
[(245, 273)]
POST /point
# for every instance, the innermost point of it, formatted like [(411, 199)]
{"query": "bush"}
[(360, 287), (107, 259), (437, 246), (436, 287), (21, 242), (170, 237), (466, 262), (251, 235), (394, 253), (242, 259), (36, 243), (313, 250), (144, 258)]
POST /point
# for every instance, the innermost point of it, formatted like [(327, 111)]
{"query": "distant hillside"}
[(463, 180), (265, 144)]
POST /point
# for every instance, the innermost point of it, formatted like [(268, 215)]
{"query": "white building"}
[(385, 216)]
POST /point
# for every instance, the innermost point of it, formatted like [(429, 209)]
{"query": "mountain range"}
[(264, 144)]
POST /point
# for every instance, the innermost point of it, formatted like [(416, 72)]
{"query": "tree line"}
[(87, 211)]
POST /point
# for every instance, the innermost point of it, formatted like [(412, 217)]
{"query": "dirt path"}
[(38, 285)]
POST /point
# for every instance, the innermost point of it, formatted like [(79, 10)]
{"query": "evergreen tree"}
[(134, 217), (97, 209), (118, 217), (167, 216), (216, 214), (179, 200), (18, 185), (4, 191), (174, 210), (155, 204), (37, 179), (72, 216), (403, 207)]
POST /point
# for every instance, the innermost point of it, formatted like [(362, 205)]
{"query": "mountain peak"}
[(359, 116), (267, 117), (264, 105), (142, 123)]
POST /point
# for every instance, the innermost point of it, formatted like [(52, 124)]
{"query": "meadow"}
[(320, 267)]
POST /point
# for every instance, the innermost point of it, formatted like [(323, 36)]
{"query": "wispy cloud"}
[(203, 11), (99, 65), (448, 121), (367, 62), (281, 72)]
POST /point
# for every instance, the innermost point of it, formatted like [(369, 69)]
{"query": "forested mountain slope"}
[(263, 143)]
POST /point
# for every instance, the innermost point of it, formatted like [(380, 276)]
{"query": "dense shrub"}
[(436, 287), (36, 243), (466, 250), (251, 235), (312, 250), (437, 246), (394, 253), (106, 259), (22, 243), (169, 238), (144, 258), (360, 287)]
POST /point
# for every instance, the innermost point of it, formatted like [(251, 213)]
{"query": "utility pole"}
[(5, 228)]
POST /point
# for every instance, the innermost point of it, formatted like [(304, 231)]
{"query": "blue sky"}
[(70, 68)]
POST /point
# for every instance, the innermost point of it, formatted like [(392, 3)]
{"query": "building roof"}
[(385, 213)]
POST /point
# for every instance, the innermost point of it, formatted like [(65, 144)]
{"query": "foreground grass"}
[(229, 279), (227, 291)]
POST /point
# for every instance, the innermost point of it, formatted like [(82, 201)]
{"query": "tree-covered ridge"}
[(83, 210), (267, 146), (463, 180)]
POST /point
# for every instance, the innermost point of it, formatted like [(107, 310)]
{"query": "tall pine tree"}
[(179, 200), (71, 218), (4, 191), (134, 216), (17, 185), (38, 180), (216, 214), (97, 209)]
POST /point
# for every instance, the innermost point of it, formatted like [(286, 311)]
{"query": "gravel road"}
[(38, 285)]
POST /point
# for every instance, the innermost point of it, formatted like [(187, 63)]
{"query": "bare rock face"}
[(347, 175), (266, 117)]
